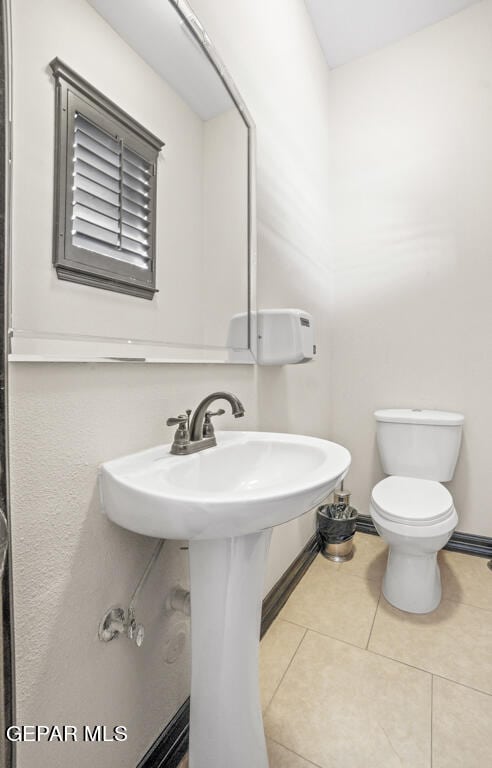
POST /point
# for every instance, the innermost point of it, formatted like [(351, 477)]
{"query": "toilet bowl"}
[(417, 518), (411, 509)]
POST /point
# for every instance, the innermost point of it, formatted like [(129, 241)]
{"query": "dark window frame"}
[(81, 265)]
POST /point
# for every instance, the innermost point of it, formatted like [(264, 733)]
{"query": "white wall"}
[(274, 55), (70, 563), (41, 302), (409, 189), (76, 33), (412, 170), (225, 224)]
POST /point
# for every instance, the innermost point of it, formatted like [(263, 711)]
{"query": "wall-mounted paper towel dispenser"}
[(285, 336)]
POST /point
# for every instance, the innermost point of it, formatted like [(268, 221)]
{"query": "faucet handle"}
[(208, 427), (209, 414), (181, 419), (182, 434)]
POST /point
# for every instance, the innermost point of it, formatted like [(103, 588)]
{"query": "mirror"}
[(154, 61)]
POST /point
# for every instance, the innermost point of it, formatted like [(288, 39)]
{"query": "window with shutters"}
[(105, 191)]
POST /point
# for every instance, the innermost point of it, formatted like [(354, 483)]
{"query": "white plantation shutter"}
[(110, 196)]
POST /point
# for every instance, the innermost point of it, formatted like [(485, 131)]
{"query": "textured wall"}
[(70, 563), (409, 188), (274, 55), (76, 33), (412, 174)]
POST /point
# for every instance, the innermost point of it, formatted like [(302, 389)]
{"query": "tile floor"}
[(348, 681)]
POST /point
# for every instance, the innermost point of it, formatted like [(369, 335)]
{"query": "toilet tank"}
[(419, 443)]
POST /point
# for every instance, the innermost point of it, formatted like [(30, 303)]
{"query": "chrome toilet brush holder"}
[(336, 527)]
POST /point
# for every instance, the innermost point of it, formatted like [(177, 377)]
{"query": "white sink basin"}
[(225, 500), (250, 481)]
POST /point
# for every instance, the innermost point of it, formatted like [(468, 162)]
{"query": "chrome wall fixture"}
[(120, 621)]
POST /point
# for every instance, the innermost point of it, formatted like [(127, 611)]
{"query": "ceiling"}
[(348, 29)]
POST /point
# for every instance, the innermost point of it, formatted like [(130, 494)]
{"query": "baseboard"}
[(171, 746), (365, 525), (279, 594), (468, 543)]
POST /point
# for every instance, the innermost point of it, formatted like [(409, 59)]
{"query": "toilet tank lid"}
[(418, 416)]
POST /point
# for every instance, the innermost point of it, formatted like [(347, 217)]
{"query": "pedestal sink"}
[(225, 500)]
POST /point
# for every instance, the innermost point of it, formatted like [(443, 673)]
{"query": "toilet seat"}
[(412, 501)]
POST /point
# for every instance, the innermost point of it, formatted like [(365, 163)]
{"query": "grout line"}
[(384, 656), (426, 671), (373, 620), (285, 670), (380, 655), (330, 637), (296, 624), (310, 762), (463, 685), (399, 661), (337, 640), (463, 602)]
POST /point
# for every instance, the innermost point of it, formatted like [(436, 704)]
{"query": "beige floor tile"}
[(453, 641), (343, 707), (329, 565), (276, 651), (369, 560), (461, 727), (334, 603), (280, 757), (466, 579)]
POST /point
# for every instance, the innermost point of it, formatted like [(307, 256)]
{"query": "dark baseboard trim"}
[(365, 525), (279, 594), (470, 544), (171, 746), (459, 542)]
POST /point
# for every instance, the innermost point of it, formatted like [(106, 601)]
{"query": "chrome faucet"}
[(198, 434)]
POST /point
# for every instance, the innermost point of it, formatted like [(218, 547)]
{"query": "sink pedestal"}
[(227, 577), (224, 501)]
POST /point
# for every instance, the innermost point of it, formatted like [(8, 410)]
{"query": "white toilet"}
[(411, 510)]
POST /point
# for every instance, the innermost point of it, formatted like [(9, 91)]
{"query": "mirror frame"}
[(32, 346), (61, 348), (7, 671)]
